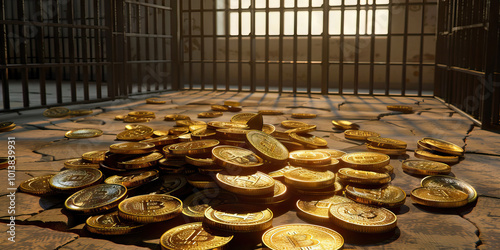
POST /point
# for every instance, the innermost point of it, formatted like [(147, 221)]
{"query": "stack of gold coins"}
[(386, 146), (433, 149), (130, 156), (317, 209), (72, 180), (136, 116), (444, 181)]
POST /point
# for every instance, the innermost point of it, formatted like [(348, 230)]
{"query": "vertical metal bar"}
[(109, 9), (266, 88), (176, 61), (341, 49), (240, 48), (309, 49), (155, 42), (226, 25), (372, 47), (282, 30), (71, 45), (97, 41), (252, 46), (214, 46), (388, 50), (356, 47), (295, 41), (190, 52), (421, 49), (138, 49), (125, 43), (325, 64), (148, 56), (202, 45), (40, 45), (405, 49), (57, 50), (84, 52), (4, 58), (23, 52)]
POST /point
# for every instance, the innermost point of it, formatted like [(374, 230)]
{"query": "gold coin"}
[(219, 108), (120, 117), (155, 101), (256, 122), (308, 140), (344, 125), (302, 178), (37, 185), (334, 154), (143, 161), (56, 112), (94, 156), (137, 126), (309, 158), (293, 124), (197, 126), (268, 128), (238, 218), (196, 204), (142, 114), (389, 196), (302, 236), (365, 160), (203, 133), (423, 167), (137, 134), (232, 133), (79, 112), (134, 119), (75, 179), (360, 135), (387, 151), (150, 208), (302, 130), (187, 123), (278, 174), (335, 189), (231, 157), (173, 184), (303, 115), (442, 146), (386, 143), (426, 155), (450, 182), (185, 138), (281, 194), (232, 103), (400, 108), (439, 197), (201, 181), (179, 130), (83, 133), (79, 163), (132, 148), (317, 210), (209, 114), (200, 162), (270, 112), (175, 117), (96, 198), (162, 140), (242, 117), (193, 147), (254, 184), (266, 146), (160, 133), (362, 218), (7, 126), (194, 236), (133, 179), (111, 224), (362, 177), (217, 125)]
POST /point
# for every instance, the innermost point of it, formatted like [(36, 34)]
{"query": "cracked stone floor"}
[(41, 148)]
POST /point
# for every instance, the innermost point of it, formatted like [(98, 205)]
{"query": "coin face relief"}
[(150, 208), (236, 157), (442, 146), (302, 236), (362, 218), (83, 133), (96, 198), (37, 185), (360, 159), (267, 146), (110, 224), (318, 209), (450, 182), (439, 197), (75, 179), (193, 236), (254, 184), (196, 204), (389, 196), (238, 218)]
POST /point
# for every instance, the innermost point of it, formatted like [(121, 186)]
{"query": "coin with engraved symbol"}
[(442, 146), (175, 117), (450, 182), (79, 163), (354, 176), (364, 160), (37, 185), (302, 178), (111, 224), (302, 236), (386, 143), (317, 210), (94, 156), (133, 179), (427, 155), (194, 236), (196, 204), (423, 167), (308, 140), (238, 218), (150, 208), (132, 148), (293, 124), (359, 135), (389, 196), (254, 184), (75, 179), (309, 158), (56, 112), (439, 197), (83, 133), (142, 114), (96, 198), (267, 146), (235, 157), (193, 147), (362, 218)]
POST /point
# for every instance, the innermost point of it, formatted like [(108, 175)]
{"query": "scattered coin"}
[(83, 133)]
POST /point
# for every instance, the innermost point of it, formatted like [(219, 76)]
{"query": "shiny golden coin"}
[(79, 163), (278, 174), (254, 184), (150, 208), (232, 133), (365, 160), (335, 189), (293, 124), (426, 155), (96, 198), (133, 179), (79, 112), (389, 196), (120, 117), (423, 167), (450, 182), (83, 133), (7, 126), (359, 135), (309, 158), (238, 218), (317, 210), (256, 122), (175, 117), (302, 178), (281, 194), (197, 126), (439, 197), (134, 119), (266, 146), (185, 138), (400, 108), (111, 224), (442, 146), (362, 177), (132, 148), (202, 163), (386, 143), (334, 154), (56, 112), (217, 125), (94, 156), (37, 185), (344, 125), (201, 181), (209, 114), (387, 151), (75, 179), (302, 236), (242, 117), (173, 184), (302, 130), (143, 161), (194, 147), (142, 114), (270, 112), (160, 133), (162, 140), (268, 128), (362, 218), (196, 204), (308, 140), (179, 130), (155, 101), (303, 115), (232, 103), (194, 236), (137, 126), (203, 133), (231, 157), (137, 134), (219, 108), (187, 123)]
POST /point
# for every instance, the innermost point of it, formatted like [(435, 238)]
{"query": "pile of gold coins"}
[(433, 149), (229, 179)]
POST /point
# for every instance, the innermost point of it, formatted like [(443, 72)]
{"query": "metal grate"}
[(467, 69), (217, 55)]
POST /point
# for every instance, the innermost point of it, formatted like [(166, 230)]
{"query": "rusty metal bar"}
[(4, 59)]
